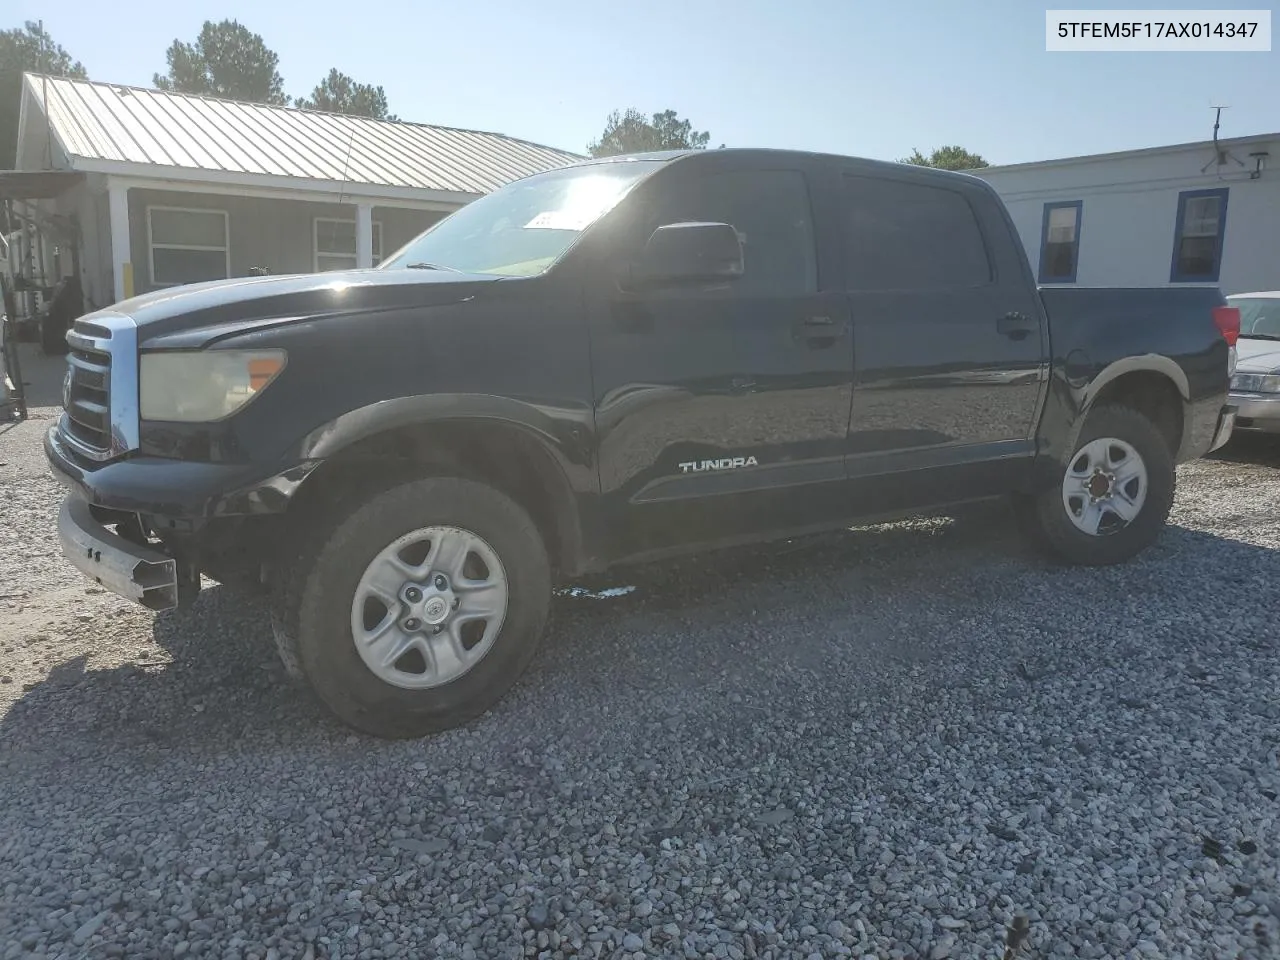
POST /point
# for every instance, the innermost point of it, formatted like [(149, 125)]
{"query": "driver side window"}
[(771, 211)]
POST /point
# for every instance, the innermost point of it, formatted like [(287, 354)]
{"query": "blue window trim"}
[(1183, 197), (1078, 206)]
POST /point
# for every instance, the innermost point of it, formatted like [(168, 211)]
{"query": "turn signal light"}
[(261, 371)]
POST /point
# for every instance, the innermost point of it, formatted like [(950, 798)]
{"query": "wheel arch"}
[(532, 462), (1153, 385)]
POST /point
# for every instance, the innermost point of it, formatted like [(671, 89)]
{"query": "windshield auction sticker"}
[(1155, 31)]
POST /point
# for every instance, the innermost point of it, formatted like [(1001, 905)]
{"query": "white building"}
[(1189, 213)]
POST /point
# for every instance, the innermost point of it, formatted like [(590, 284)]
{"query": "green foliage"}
[(947, 158), (28, 49), (227, 60), (338, 93), (630, 132)]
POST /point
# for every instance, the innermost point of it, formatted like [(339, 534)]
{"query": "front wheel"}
[(1112, 497), (421, 609)]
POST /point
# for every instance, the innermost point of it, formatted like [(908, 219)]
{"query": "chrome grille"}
[(99, 394), (87, 397)]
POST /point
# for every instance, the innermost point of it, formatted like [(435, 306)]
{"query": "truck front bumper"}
[(184, 489), (186, 504), (137, 573)]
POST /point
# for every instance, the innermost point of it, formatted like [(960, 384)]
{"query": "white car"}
[(1255, 385)]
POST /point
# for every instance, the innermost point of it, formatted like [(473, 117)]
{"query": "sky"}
[(871, 79)]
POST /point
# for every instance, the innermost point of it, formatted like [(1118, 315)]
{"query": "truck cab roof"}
[(748, 156)]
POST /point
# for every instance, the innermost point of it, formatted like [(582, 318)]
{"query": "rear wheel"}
[(421, 609), (1112, 497)]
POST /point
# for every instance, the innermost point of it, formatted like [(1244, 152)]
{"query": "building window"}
[(187, 246), (1060, 241), (335, 244), (1197, 238)]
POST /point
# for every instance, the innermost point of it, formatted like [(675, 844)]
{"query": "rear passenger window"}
[(770, 210), (909, 236)]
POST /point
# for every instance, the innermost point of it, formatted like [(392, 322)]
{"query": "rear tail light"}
[(1227, 320)]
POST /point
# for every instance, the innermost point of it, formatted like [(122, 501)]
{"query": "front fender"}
[(564, 432), (562, 435)]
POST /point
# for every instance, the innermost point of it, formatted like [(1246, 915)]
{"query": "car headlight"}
[(205, 385), (1256, 382)]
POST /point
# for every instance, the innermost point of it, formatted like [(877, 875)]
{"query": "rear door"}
[(723, 408), (949, 341)]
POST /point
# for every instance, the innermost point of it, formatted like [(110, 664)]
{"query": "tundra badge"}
[(727, 463)]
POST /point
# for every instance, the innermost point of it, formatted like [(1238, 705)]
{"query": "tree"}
[(947, 158), (338, 93), (630, 132), (227, 60), (21, 50)]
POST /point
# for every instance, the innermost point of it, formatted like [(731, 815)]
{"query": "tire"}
[(1051, 520), (316, 618)]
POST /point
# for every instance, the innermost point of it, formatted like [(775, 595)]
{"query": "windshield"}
[(1259, 316), (526, 226)]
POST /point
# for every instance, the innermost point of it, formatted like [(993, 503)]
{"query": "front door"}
[(722, 408), (948, 342)]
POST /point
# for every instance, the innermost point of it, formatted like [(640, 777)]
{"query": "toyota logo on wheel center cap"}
[(435, 610)]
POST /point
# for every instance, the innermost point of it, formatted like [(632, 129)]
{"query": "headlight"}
[(205, 385), (1256, 382)]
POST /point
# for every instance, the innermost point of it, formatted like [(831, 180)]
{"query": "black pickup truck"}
[(614, 361)]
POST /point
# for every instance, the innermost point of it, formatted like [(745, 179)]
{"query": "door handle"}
[(1015, 326)]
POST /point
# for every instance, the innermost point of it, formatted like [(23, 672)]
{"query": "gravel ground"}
[(901, 741)]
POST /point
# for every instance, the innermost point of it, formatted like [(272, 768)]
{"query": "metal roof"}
[(102, 126)]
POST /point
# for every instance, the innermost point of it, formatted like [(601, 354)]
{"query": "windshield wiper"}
[(430, 266), (1259, 336)]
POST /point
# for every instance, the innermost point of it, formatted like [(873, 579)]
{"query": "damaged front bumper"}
[(115, 513), (134, 572)]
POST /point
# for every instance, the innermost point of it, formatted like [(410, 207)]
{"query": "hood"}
[(1257, 356), (226, 306)]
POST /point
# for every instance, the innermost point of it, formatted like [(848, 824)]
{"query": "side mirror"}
[(691, 252)]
